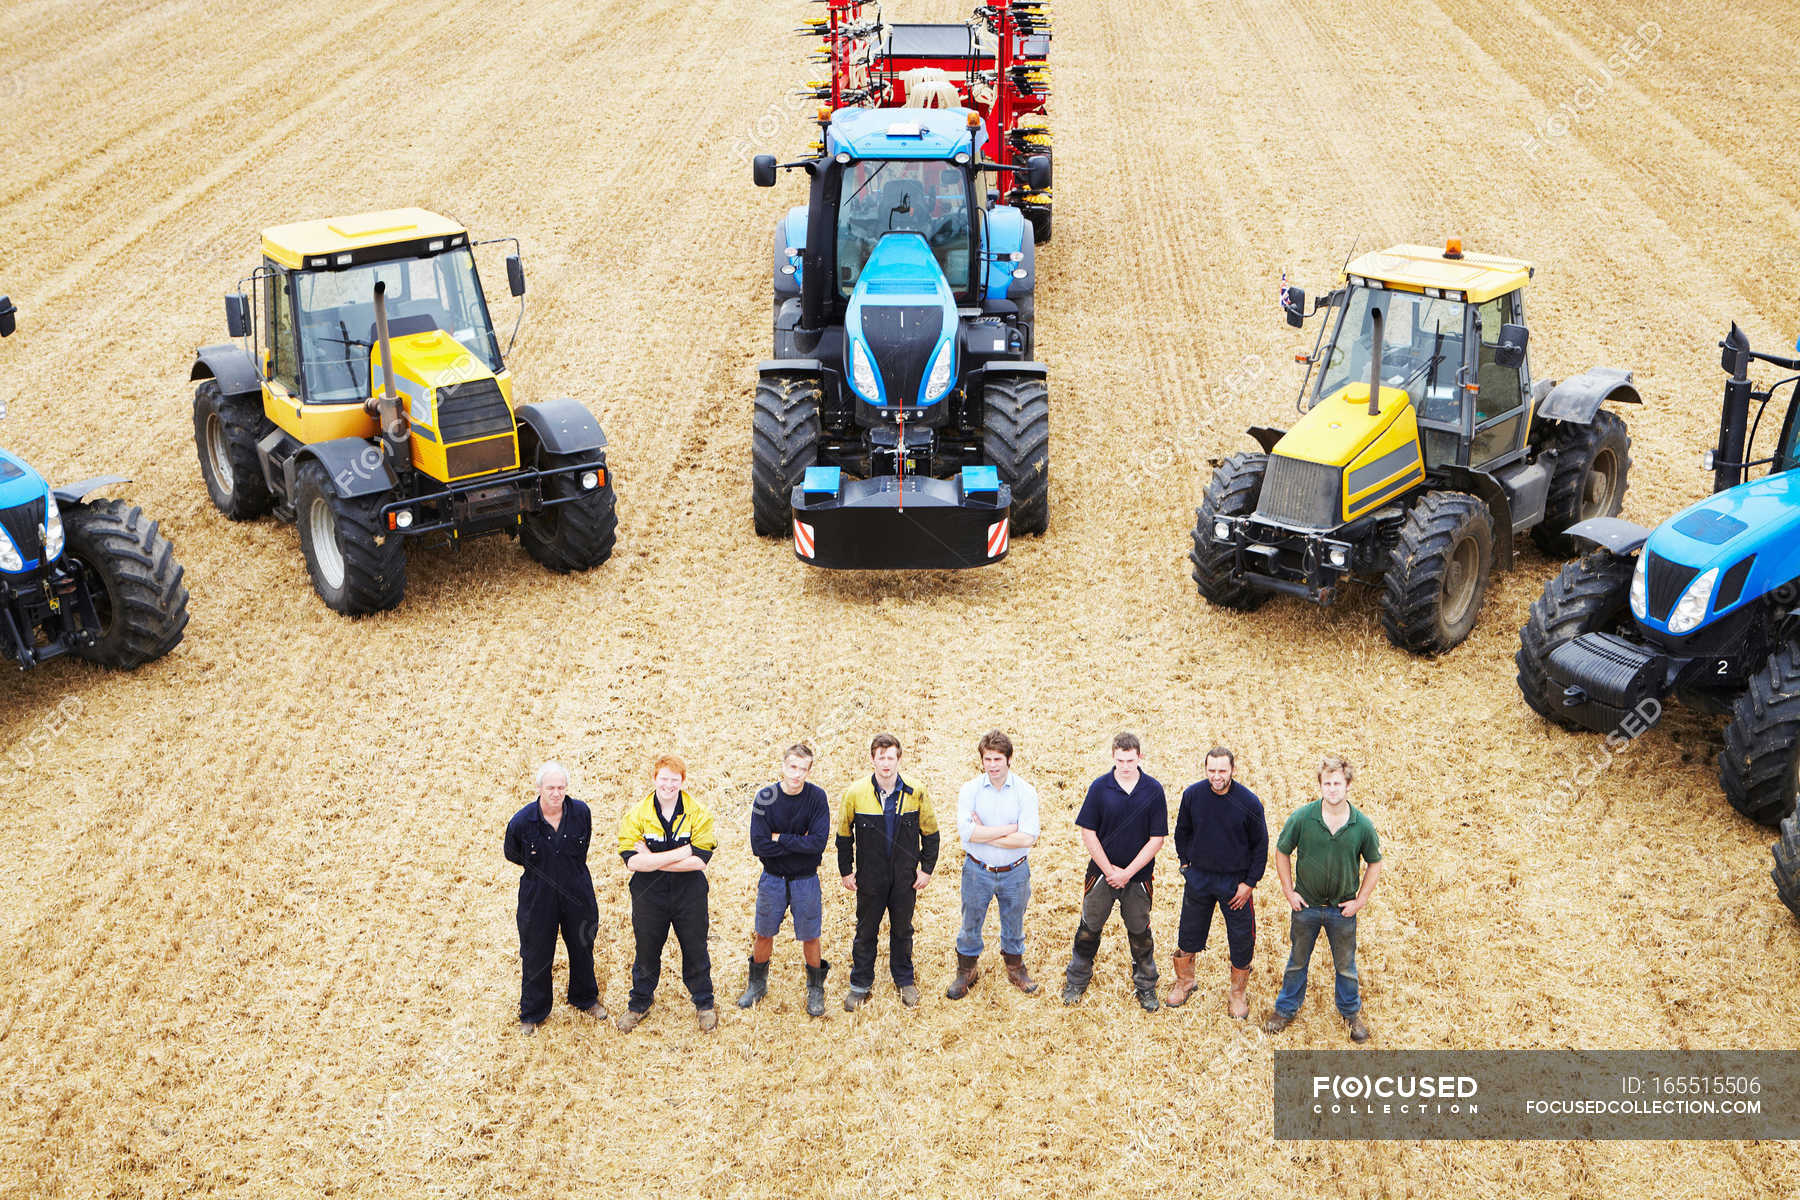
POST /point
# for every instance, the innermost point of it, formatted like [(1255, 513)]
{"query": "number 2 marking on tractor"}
[(1724, 666)]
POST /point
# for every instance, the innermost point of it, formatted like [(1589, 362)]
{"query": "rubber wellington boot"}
[(815, 988), (967, 972), (1018, 975), (1184, 981), (758, 986)]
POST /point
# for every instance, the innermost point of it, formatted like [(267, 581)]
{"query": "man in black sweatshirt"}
[(790, 827), (1222, 840)]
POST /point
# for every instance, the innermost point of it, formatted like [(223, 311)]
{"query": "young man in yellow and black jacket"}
[(887, 846), (666, 840)]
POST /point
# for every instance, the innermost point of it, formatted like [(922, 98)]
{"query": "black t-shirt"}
[(1125, 821)]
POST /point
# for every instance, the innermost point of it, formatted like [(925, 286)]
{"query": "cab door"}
[(281, 350), (1501, 399)]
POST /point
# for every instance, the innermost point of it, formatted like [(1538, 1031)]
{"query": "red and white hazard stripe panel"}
[(804, 541), (997, 538)]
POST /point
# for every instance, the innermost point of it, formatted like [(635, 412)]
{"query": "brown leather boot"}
[(1016, 972), (1238, 1004), (967, 972), (1184, 981)]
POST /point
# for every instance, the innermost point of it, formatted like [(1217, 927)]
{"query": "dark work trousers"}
[(545, 907), (1203, 893), (661, 901), (1096, 910), (880, 893)]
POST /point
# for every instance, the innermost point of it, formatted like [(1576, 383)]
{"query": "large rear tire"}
[(1590, 595), (1760, 765), (1587, 480), (1786, 873), (784, 442), (225, 432), (357, 567), (133, 578), (1015, 438), (1438, 576), (1235, 485), (578, 534)]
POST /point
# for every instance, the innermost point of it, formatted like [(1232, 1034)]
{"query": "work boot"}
[(1018, 975), (815, 988), (1277, 1022), (909, 995), (967, 973), (1359, 1030), (527, 1028), (709, 1019), (628, 1020), (1147, 999), (855, 998), (758, 986), (1184, 980), (1237, 1003)]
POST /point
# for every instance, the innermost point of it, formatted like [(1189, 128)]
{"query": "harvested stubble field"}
[(257, 932)]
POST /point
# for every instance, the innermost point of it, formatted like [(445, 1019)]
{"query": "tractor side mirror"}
[(237, 315), (762, 170), (1295, 306), (1510, 351), (9, 317), (1037, 172), (515, 275)]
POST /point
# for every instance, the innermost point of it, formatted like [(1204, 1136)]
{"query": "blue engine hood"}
[(902, 314), (1761, 517)]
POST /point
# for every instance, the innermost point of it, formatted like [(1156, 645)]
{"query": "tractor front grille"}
[(22, 523), (1303, 494), (1665, 581), (478, 458), (471, 410)]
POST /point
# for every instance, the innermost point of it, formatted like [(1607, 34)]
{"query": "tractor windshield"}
[(336, 311), (886, 195), (1422, 348)]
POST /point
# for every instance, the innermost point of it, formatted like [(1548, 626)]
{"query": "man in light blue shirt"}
[(997, 819)]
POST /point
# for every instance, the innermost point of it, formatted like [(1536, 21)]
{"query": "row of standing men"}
[(1327, 860)]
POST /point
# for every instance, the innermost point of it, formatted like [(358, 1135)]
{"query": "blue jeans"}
[(981, 886), (1303, 932)]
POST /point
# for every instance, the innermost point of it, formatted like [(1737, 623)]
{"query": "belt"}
[(991, 870)]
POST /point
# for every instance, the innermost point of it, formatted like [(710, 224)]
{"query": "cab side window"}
[(284, 366), (1502, 392)]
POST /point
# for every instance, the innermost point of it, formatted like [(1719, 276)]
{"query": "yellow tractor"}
[(1424, 447), (367, 400)]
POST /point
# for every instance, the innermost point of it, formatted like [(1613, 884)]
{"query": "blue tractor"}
[(902, 422), (1705, 609), (95, 578)]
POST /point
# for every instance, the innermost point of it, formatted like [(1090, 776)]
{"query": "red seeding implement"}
[(995, 64)]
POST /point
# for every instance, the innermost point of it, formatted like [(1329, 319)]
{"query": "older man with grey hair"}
[(548, 838)]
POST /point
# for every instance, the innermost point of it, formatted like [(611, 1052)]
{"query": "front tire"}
[(134, 581), (1587, 480), (225, 433), (1786, 873), (1589, 595), (1015, 438), (1760, 765), (1438, 576), (784, 441), (577, 534), (357, 567), (1235, 485)]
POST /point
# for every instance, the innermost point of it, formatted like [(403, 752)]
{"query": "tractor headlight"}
[(1338, 556), (1221, 531), (590, 480), (53, 530), (862, 373), (937, 380), (9, 554), (1691, 608), (1640, 595), (403, 519)]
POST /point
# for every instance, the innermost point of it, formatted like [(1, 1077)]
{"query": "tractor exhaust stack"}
[(1377, 320), (1734, 414), (396, 427)]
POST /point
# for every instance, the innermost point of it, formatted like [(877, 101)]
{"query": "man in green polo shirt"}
[(1332, 840)]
